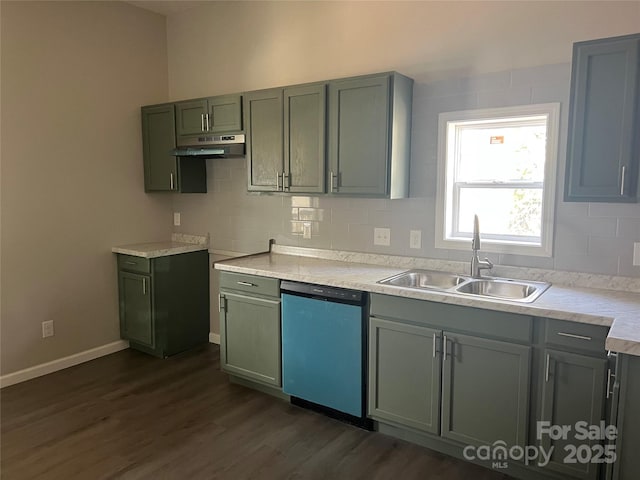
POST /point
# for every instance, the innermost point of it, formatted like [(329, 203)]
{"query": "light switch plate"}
[(382, 236), (176, 219), (415, 238), (636, 253)]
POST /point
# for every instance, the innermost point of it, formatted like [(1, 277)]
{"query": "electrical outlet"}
[(47, 329), (176, 219), (636, 253), (415, 239), (382, 236)]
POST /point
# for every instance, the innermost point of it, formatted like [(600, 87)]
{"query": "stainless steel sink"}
[(425, 279), (505, 289), (498, 288)]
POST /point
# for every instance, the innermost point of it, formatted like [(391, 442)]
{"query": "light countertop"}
[(179, 243), (619, 310)]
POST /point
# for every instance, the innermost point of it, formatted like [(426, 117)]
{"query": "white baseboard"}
[(214, 338), (62, 363)]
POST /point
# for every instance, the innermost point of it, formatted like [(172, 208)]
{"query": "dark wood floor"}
[(132, 416)]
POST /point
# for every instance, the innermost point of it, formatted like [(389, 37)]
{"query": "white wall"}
[(462, 55), (73, 77), (227, 47)]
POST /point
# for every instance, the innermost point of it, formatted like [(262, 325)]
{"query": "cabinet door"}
[(359, 136), (190, 117), (304, 138), (485, 390), (264, 136), (158, 139), (136, 316), (225, 114), (573, 390), (404, 374), (250, 338), (603, 145)]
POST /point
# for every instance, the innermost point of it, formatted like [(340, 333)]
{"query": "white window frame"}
[(445, 197)]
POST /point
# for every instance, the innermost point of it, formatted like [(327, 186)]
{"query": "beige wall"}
[(463, 55), (73, 78), (228, 47)]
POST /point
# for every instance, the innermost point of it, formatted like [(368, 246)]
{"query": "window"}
[(499, 164)]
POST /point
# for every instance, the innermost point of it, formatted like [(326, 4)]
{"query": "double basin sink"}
[(498, 288)]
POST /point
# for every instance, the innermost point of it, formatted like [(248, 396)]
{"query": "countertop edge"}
[(163, 250), (622, 337)]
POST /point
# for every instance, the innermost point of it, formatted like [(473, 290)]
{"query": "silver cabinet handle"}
[(444, 347), (434, 345), (624, 171), (333, 182), (208, 125), (609, 375), (247, 284), (171, 181), (202, 122), (573, 335), (128, 262), (277, 181), (285, 180), (546, 370), (144, 286), (220, 302)]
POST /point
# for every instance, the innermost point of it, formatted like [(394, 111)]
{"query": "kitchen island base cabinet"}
[(164, 302), (250, 337)]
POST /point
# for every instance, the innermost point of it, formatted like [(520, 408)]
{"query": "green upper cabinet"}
[(369, 135), (163, 172), (158, 139), (304, 138), (603, 150), (222, 114), (264, 136), (285, 131)]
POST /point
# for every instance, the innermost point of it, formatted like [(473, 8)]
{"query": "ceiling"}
[(167, 7)]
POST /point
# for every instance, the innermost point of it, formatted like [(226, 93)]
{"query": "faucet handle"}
[(488, 263)]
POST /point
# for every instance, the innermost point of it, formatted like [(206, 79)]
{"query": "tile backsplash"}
[(590, 238)]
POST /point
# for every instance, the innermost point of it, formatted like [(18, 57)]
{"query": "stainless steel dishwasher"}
[(324, 349)]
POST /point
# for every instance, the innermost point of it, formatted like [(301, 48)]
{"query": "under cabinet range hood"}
[(210, 146)]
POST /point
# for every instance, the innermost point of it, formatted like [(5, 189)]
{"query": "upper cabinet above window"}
[(603, 149)]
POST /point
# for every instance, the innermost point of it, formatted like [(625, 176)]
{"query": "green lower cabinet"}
[(627, 466), (164, 302), (485, 390), (404, 374), (573, 390), (136, 322), (250, 343)]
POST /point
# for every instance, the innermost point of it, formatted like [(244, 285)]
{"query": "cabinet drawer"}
[(576, 335), (250, 284), (455, 318), (131, 263)]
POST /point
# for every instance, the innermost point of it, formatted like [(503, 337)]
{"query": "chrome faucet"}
[(476, 263)]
